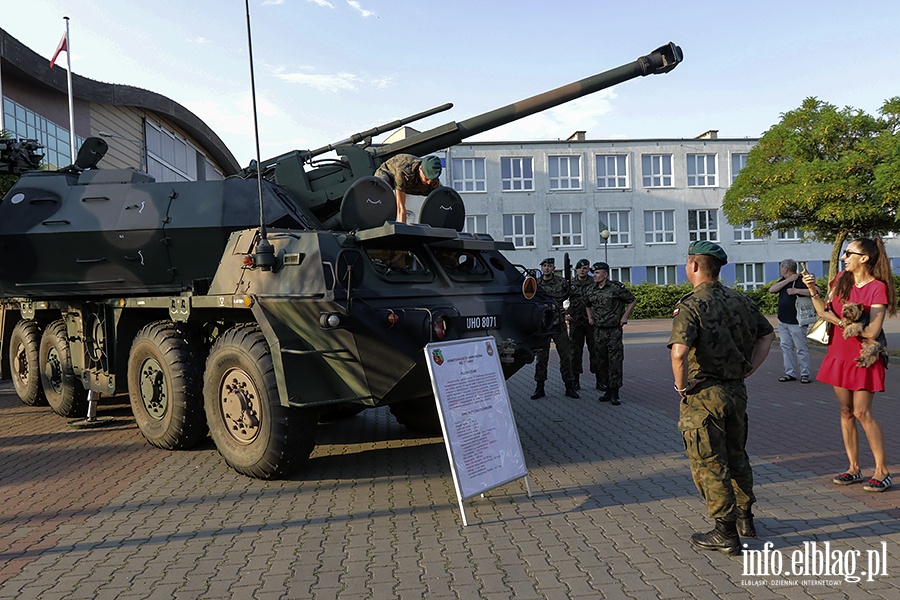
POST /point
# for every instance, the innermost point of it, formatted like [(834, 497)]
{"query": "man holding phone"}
[(792, 335)]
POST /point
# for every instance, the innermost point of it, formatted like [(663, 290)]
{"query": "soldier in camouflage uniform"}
[(557, 288), (609, 305), (580, 331), (719, 338), (410, 175)]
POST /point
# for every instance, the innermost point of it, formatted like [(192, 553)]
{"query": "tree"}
[(825, 171)]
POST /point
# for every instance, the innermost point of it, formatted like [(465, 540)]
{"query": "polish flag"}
[(63, 47)]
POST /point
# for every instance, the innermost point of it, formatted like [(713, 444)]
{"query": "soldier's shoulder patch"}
[(675, 312)]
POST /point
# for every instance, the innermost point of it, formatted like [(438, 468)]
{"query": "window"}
[(659, 227), (565, 172), (476, 224), (738, 162), (612, 171), (750, 276), (26, 124), (463, 265), (565, 230), (468, 174), (657, 170), (617, 222), (661, 275), (702, 225), (701, 170), (170, 157), (789, 235), (516, 174), (519, 229), (744, 233), (622, 274)]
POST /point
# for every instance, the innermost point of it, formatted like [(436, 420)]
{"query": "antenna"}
[(265, 253)]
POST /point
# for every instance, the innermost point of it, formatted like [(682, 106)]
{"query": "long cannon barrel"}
[(661, 60)]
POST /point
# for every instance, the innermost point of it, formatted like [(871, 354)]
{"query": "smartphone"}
[(803, 266)]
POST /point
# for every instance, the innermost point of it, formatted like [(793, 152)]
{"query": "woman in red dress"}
[(866, 279)]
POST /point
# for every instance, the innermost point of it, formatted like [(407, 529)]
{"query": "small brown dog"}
[(871, 350)]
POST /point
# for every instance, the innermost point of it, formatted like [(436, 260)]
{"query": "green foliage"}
[(657, 301), (833, 173)]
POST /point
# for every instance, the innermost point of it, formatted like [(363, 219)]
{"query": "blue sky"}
[(326, 69)]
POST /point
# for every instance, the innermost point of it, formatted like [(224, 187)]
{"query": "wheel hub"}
[(238, 397), (153, 389), (21, 363), (53, 371)]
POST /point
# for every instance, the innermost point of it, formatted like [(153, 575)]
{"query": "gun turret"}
[(320, 185)]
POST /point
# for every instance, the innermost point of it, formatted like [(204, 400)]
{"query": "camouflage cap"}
[(582, 263), (549, 261), (431, 167), (600, 266), (709, 248)]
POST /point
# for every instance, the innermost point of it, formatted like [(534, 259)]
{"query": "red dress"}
[(838, 367)]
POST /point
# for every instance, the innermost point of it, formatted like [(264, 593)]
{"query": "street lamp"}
[(140, 144), (605, 235)]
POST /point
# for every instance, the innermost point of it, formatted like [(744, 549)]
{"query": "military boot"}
[(745, 526), (606, 397), (614, 396), (538, 390), (570, 390), (600, 385), (724, 538), (576, 385)]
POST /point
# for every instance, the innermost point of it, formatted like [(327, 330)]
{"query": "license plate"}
[(482, 322)]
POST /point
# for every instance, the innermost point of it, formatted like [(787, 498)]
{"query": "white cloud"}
[(272, 2), (337, 82), (199, 40), (362, 11), (588, 114), (322, 3)]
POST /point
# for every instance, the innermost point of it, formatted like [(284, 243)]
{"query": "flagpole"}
[(71, 104)]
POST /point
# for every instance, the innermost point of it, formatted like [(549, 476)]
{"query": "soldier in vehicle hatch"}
[(580, 331), (557, 288), (410, 175)]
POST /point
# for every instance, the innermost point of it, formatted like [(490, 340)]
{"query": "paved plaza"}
[(99, 513)]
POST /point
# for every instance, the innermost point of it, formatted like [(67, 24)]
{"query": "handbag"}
[(820, 332), (806, 312)]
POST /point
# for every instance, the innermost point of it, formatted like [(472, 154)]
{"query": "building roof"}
[(19, 61)]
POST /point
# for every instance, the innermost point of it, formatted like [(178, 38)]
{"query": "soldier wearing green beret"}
[(557, 288), (410, 175), (580, 331), (719, 338), (609, 306)]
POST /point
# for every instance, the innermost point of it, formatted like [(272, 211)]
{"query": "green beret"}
[(600, 266), (431, 167), (549, 261), (582, 263), (708, 248)]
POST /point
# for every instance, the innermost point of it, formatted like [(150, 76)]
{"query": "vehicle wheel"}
[(164, 386), (64, 393), (24, 349), (255, 434), (419, 415)]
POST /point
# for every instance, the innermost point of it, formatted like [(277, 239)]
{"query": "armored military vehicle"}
[(247, 308)]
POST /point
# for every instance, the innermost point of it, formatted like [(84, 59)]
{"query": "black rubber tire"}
[(164, 385), (253, 432), (63, 391), (24, 365), (419, 415)]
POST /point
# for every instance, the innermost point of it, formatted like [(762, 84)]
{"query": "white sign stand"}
[(476, 417)]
